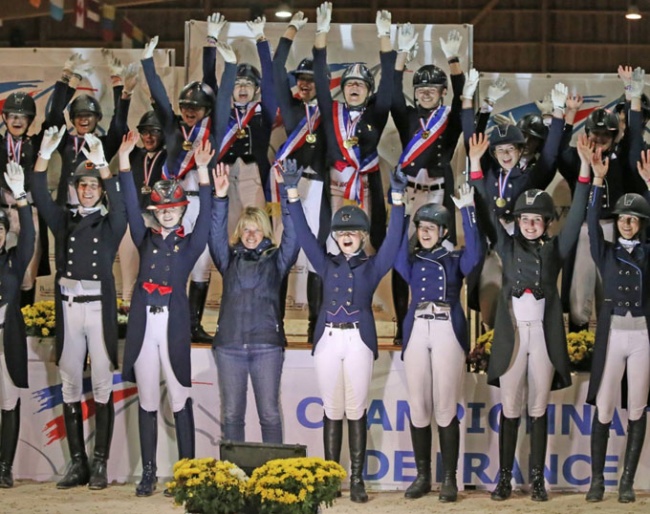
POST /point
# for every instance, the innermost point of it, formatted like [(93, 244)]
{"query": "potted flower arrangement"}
[(580, 346), (294, 486), (39, 319), (581, 349), (208, 486), (478, 358)]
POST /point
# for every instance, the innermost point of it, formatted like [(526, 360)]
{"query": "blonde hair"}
[(256, 216)]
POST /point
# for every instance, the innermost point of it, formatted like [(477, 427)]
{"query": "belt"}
[(439, 316), (191, 193), (81, 299), (424, 187), (346, 325)]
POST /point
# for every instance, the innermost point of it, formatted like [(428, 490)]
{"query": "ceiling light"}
[(283, 11), (633, 13)]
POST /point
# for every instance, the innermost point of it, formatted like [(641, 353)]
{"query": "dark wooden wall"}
[(581, 36)]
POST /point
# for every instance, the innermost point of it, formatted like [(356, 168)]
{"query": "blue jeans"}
[(263, 362)]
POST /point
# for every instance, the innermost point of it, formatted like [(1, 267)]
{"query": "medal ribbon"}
[(435, 125), (235, 125), (14, 148), (149, 170), (184, 161), (503, 182), (296, 139)]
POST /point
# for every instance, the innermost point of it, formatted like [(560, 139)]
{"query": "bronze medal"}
[(187, 145), (425, 134), (145, 190), (311, 138), (241, 134), (501, 202)]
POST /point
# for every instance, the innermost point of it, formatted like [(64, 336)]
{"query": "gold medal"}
[(187, 145), (425, 134), (349, 143), (145, 190), (501, 202), (311, 138), (241, 134)]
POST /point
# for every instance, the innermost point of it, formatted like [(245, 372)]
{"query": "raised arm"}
[(133, 212), (218, 238)]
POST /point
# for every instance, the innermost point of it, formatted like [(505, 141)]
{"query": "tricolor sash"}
[(184, 161), (355, 166), (236, 124), (434, 126), (296, 139)]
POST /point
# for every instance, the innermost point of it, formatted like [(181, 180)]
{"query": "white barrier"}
[(42, 451)]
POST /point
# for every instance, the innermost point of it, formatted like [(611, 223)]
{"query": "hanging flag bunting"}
[(56, 9), (108, 22)]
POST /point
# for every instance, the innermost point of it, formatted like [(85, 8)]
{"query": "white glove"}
[(559, 95), (413, 53), (545, 106), (471, 83), (114, 64), (15, 179), (451, 47), (95, 152), (502, 119), (465, 196), (383, 23), (131, 77), (68, 66), (151, 45), (51, 139), (227, 53), (298, 21), (216, 21), (406, 38), (497, 90), (82, 67), (637, 83), (323, 17), (257, 27)]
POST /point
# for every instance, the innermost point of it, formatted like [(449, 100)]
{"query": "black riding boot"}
[(332, 440), (538, 440), (599, 437), (358, 434), (400, 303), (184, 419), (421, 440), (507, 445), (78, 472), (148, 424), (197, 296), (449, 447), (635, 437), (314, 300), (104, 420), (8, 443), (27, 296)]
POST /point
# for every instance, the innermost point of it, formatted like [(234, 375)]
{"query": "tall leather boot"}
[(185, 437), (27, 296), (538, 440), (197, 296), (104, 421), (332, 440), (400, 303), (421, 440), (635, 437), (78, 472), (507, 445), (449, 447), (148, 425), (599, 437), (314, 300), (358, 435), (8, 442)]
